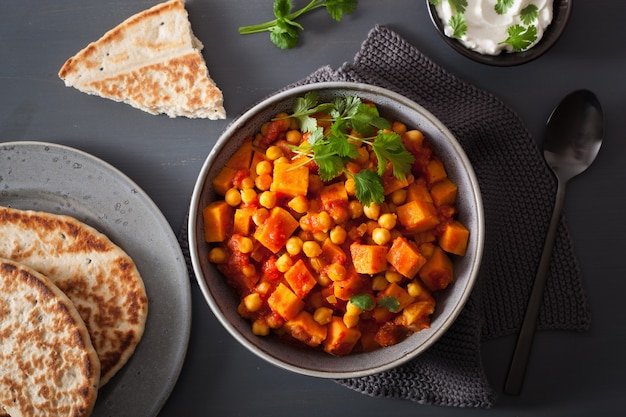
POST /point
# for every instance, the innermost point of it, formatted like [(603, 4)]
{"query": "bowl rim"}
[(195, 211), (562, 10)]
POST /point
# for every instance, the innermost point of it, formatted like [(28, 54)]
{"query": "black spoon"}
[(573, 138)]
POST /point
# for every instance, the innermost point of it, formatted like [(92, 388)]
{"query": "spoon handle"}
[(519, 362)]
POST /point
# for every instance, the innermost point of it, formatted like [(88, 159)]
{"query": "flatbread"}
[(98, 276), (48, 365), (151, 61)]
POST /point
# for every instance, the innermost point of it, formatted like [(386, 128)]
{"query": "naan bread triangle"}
[(151, 61)]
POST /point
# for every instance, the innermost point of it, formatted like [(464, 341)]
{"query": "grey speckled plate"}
[(59, 179)]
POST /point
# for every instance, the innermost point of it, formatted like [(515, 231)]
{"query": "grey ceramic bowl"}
[(562, 9), (222, 299)]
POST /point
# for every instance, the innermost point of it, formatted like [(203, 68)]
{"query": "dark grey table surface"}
[(570, 374)]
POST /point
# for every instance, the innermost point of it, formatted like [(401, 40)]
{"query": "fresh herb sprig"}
[(284, 29), (457, 20), (520, 37), (332, 149)]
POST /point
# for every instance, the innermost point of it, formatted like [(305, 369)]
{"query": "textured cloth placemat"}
[(518, 192)]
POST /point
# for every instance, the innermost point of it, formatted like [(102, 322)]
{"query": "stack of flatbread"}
[(80, 303), (151, 61)]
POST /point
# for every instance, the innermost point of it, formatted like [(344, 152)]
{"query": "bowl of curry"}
[(336, 229)]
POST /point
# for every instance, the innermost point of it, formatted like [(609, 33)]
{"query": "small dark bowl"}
[(562, 10)]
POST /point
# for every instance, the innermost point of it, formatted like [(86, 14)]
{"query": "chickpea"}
[(372, 211), (338, 235), (355, 208), (263, 167), (267, 199), (260, 328), (246, 183), (381, 236), (350, 186), (379, 283), (323, 315), (232, 197), (284, 262), (393, 277), (217, 255), (249, 271), (398, 197), (336, 272), (263, 182), (294, 245), (311, 249), (260, 216), (399, 127), (294, 137), (273, 153), (253, 302), (350, 320), (245, 245), (414, 136), (387, 220), (248, 195), (324, 220)]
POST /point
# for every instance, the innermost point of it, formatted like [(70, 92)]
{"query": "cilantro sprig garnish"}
[(459, 25), (520, 37), (529, 13), (284, 30), (502, 6), (333, 148), (366, 302)]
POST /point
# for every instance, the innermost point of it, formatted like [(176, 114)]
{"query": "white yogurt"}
[(486, 29)]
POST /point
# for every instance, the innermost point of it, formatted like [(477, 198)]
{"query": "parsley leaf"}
[(458, 5), (368, 187), (458, 25), (529, 13), (362, 301), (390, 302), (284, 29), (521, 37), (502, 6), (331, 149), (389, 147), (435, 2)]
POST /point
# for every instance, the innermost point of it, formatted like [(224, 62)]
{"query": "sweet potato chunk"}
[(278, 227), (418, 216), (444, 192), (454, 238), (218, 220), (284, 302), (435, 171), (333, 194), (417, 311), (305, 329), (368, 259), (397, 292), (405, 257), (290, 179), (340, 339), (436, 274), (418, 191), (243, 220), (352, 284), (224, 180), (300, 279), (242, 157)]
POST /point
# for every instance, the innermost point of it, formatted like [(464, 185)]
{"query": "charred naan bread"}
[(48, 366), (151, 61), (99, 277)]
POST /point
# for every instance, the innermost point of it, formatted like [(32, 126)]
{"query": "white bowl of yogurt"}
[(500, 32)]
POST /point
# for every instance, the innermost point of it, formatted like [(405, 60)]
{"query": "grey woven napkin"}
[(518, 193)]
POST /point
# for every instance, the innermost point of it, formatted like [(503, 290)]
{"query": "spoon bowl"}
[(574, 134)]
